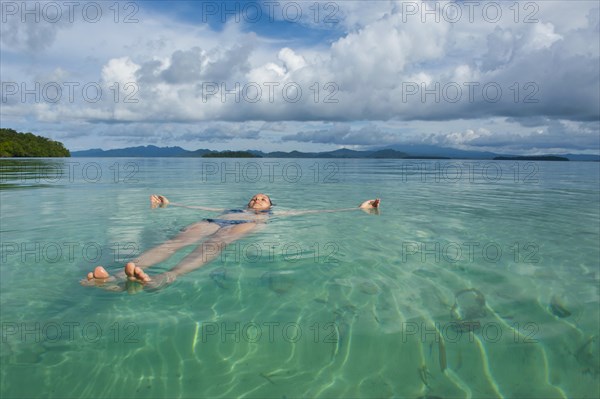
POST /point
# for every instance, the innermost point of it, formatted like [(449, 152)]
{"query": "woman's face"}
[(260, 202)]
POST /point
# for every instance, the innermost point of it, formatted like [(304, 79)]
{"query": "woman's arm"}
[(160, 201), (366, 206)]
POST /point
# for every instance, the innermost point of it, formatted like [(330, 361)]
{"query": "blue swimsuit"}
[(227, 222)]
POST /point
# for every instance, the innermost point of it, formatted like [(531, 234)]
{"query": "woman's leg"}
[(203, 254), (189, 235), (211, 248)]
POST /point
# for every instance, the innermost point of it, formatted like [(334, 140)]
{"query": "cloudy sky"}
[(509, 77)]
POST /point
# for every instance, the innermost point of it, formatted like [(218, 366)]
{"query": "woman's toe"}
[(130, 269), (100, 272)]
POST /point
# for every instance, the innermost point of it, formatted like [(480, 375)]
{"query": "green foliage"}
[(15, 144)]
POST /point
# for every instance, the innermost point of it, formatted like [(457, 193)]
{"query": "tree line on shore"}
[(15, 144)]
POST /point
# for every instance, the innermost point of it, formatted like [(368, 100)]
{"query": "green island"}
[(230, 154), (14, 144)]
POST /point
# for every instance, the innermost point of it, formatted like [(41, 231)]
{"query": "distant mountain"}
[(198, 153), (431, 151), (256, 152), (292, 154), (87, 153), (344, 153), (388, 154), (230, 154), (391, 152), (142, 151)]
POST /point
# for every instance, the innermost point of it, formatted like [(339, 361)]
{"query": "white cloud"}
[(541, 36), (120, 70), (291, 60)]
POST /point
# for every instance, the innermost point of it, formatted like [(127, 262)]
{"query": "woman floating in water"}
[(230, 226)]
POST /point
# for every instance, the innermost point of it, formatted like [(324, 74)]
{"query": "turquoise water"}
[(478, 279)]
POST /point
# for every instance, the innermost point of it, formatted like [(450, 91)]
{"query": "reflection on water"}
[(477, 287), (32, 172)]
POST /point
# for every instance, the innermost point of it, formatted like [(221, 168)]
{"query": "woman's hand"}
[(370, 204), (158, 201)]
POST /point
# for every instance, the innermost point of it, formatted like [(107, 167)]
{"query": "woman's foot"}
[(97, 277), (136, 279), (100, 277), (158, 201), (135, 273), (160, 281)]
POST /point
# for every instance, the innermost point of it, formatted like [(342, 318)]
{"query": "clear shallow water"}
[(329, 305)]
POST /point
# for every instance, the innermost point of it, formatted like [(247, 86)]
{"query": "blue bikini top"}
[(266, 211)]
